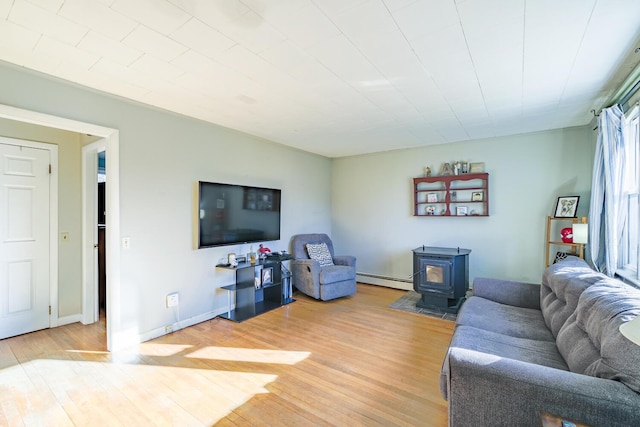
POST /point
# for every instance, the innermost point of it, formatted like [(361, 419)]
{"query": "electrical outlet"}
[(172, 299), (126, 242)]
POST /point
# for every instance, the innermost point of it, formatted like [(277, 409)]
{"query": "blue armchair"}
[(327, 278)]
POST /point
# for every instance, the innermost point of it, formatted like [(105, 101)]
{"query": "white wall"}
[(372, 213), (162, 155), (69, 208)]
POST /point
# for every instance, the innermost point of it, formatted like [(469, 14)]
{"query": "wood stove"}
[(441, 275)]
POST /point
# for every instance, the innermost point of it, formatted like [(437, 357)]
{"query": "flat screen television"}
[(233, 214)]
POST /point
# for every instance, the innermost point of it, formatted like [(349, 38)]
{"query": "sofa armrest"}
[(487, 390), (306, 274), (344, 260), (518, 294)]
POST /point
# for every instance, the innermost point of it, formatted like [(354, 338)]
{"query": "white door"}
[(24, 240)]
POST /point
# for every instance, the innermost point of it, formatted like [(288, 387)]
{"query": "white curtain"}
[(607, 213)]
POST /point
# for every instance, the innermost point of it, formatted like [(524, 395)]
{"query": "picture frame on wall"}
[(432, 197), (477, 196), (461, 210), (566, 207)]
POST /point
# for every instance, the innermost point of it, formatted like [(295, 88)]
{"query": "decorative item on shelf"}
[(457, 168), (477, 196), (631, 330), (454, 196), (257, 279), (432, 197), (461, 210), (231, 259), (567, 235), (566, 206), (427, 171), (446, 169), (263, 251), (477, 167), (580, 233), (252, 255), (465, 167), (267, 276), (430, 210)]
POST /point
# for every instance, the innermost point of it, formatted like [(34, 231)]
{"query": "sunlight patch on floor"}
[(281, 357), (83, 392)]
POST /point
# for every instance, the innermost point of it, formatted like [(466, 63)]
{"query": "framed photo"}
[(476, 167), (432, 197), (461, 210), (477, 196), (566, 207), (267, 276)]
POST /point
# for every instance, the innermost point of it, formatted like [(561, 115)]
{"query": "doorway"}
[(110, 138)]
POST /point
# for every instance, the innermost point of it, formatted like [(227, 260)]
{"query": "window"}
[(631, 233)]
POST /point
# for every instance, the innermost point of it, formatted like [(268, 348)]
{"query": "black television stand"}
[(259, 288)]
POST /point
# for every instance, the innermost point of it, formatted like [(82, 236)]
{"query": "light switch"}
[(126, 242)]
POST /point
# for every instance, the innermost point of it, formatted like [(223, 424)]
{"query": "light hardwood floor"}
[(348, 362)]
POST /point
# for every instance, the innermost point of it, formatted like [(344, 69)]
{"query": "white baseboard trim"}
[(69, 319), (158, 332), (389, 283)]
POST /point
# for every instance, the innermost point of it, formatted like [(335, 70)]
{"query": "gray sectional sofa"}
[(520, 350)]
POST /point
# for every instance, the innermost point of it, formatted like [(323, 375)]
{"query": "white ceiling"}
[(339, 77)]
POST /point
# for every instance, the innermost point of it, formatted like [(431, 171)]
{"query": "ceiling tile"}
[(104, 46), (202, 38), (252, 31), (159, 15), (370, 17), (17, 37), (50, 5), (213, 12), (38, 19), (304, 26), (154, 43), (5, 8), (334, 7), (342, 58), (98, 17), (148, 64), (63, 52), (425, 17)]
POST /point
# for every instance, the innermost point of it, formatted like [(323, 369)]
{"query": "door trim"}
[(53, 219), (116, 337)]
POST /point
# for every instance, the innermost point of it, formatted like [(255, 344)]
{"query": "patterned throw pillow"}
[(320, 252)]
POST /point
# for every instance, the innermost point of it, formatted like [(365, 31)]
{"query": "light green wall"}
[(372, 210), (69, 207), (162, 155)]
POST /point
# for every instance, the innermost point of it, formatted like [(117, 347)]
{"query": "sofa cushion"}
[(562, 285), (320, 252), (591, 342), (504, 319), (522, 349)]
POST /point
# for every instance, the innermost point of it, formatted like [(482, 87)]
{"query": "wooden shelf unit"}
[(468, 191), (553, 226)]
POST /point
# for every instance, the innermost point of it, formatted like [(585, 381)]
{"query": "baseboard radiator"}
[(388, 281)]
